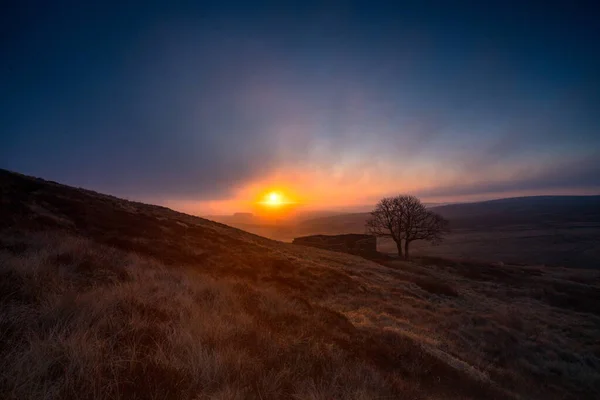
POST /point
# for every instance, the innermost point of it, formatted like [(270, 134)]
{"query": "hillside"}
[(543, 210), (103, 298)]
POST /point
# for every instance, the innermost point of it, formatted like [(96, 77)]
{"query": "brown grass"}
[(86, 321), (131, 328)]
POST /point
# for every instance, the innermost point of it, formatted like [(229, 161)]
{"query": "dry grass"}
[(104, 299), (127, 327), (506, 323), (81, 320)]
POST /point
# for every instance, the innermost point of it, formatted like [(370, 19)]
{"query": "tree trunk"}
[(406, 243), (399, 247)]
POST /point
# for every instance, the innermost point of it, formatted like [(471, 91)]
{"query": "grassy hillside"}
[(102, 298)]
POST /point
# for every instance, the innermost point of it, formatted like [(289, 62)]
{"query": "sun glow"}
[(274, 199)]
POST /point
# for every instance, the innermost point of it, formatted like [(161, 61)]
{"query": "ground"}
[(103, 298)]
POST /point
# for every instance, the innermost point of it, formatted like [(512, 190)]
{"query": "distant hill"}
[(540, 210), (551, 230), (334, 224)]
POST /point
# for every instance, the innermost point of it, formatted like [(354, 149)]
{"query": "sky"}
[(206, 106)]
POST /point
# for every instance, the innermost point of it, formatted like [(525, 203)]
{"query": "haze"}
[(206, 107)]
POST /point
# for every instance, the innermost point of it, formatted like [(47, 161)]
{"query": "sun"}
[(273, 199)]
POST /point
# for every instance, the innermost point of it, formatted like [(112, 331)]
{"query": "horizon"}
[(208, 108), (301, 213), (366, 208)]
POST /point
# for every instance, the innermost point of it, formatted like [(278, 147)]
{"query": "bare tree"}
[(385, 221), (405, 219)]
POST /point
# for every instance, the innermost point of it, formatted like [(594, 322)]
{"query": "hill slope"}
[(546, 210), (104, 298)]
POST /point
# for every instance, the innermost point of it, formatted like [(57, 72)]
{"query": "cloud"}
[(180, 110), (574, 174)]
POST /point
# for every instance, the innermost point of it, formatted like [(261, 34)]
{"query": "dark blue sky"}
[(195, 101)]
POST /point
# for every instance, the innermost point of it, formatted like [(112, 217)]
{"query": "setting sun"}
[(273, 199)]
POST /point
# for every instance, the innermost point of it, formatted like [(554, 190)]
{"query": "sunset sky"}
[(206, 107)]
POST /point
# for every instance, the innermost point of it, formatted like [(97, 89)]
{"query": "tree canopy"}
[(405, 219)]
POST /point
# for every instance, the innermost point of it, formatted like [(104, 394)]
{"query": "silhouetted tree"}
[(405, 219)]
